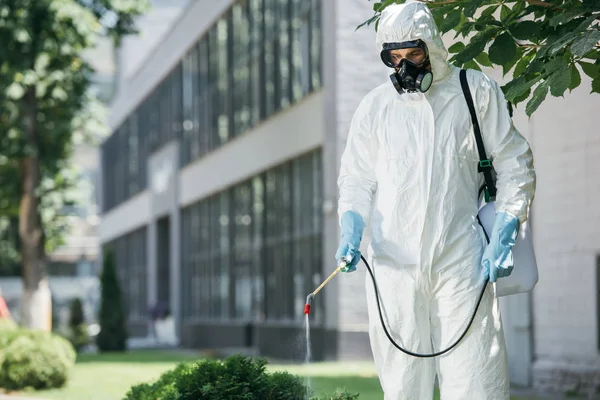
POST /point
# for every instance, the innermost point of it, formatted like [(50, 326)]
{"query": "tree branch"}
[(540, 3)]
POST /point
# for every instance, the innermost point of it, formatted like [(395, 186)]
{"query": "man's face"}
[(415, 55)]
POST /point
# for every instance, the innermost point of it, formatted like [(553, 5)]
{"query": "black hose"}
[(439, 353)]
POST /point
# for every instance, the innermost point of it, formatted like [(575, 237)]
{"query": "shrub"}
[(7, 325), (162, 389), (113, 332), (34, 359), (78, 334), (235, 378), (338, 395), (76, 316)]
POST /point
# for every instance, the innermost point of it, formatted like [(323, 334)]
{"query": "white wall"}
[(566, 223), (126, 217), (355, 70)]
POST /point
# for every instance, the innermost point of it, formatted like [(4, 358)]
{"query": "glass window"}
[(270, 58), (176, 114), (133, 150), (256, 62), (260, 57), (202, 118), (222, 269), (258, 208), (189, 138), (284, 53), (242, 241), (315, 44), (223, 81), (240, 67)]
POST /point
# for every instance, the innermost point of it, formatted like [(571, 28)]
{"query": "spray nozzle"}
[(308, 304)]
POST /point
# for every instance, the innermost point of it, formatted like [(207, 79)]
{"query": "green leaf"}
[(376, 6), (464, 28), (476, 45), (369, 22), (472, 65), (507, 67), (585, 43), (522, 65), (575, 77), (535, 66), (484, 60), (553, 65), (559, 81), (591, 70), (471, 7), (504, 13), (539, 95), (556, 45), (594, 55), (522, 97), (526, 30), (585, 24), (488, 11), (503, 50), (519, 86), (451, 21), (596, 86), (456, 47), (564, 17)]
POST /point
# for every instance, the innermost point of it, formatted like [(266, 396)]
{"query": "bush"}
[(236, 377), (78, 333), (7, 325), (164, 388), (76, 316), (339, 395), (113, 332), (34, 359)]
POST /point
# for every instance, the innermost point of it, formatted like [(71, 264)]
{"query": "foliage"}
[(34, 359), (9, 246), (546, 44), (236, 377), (7, 325), (78, 333), (45, 109), (113, 330)]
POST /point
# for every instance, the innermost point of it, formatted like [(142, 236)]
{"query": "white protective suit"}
[(410, 170)]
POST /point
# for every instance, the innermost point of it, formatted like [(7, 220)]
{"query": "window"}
[(260, 57), (130, 262), (253, 251)]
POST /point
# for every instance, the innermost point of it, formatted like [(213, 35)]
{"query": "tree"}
[(44, 105), (113, 331), (544, 43), (77, 334)]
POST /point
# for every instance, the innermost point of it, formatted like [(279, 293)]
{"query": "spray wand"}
[(312, 295)]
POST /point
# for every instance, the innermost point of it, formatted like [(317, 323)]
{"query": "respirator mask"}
[(411, 73)]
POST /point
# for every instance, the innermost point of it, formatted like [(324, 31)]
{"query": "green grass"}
[(109, 376)]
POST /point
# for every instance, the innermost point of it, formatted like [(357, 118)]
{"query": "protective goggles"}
[(389, 59)]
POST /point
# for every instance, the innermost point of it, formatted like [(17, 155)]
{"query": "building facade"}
[(219, 190)]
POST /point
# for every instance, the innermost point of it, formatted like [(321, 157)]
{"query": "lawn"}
[(109, 376)]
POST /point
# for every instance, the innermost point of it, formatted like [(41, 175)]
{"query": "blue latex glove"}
[(498, 259), (352, 231)]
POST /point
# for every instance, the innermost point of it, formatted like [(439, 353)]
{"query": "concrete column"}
[(152, 289), (175, 270)]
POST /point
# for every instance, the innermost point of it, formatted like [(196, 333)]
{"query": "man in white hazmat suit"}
[(410, 170)]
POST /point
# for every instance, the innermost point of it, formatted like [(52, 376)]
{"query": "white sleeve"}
[(356, 182), (509, 152)]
